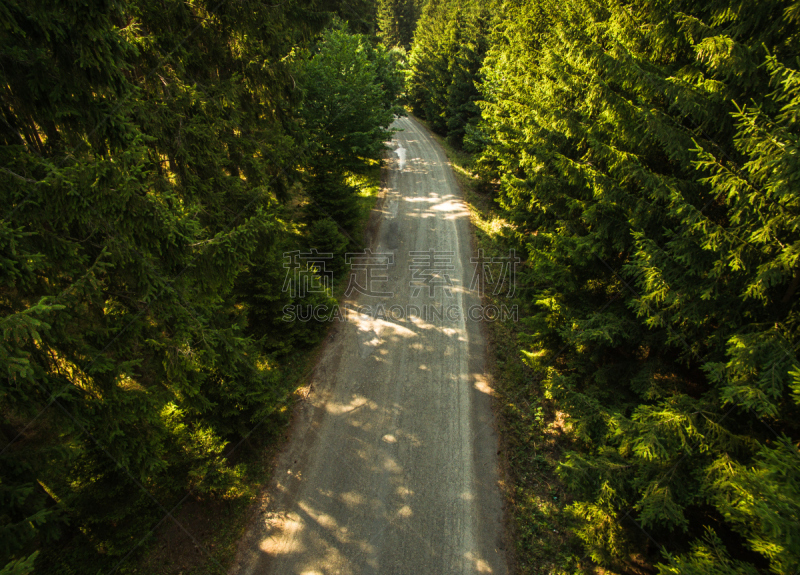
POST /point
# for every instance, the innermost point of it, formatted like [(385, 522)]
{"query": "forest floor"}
[(392, 464)]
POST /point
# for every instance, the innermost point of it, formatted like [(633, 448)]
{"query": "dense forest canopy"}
[(645, 155), (157, 161)]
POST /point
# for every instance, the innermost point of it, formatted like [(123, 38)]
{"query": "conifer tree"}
[(396, 22), (646, 157), (450, 44), (146, 149)]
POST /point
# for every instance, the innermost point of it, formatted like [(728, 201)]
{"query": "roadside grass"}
[(532, 432), (368, 183)]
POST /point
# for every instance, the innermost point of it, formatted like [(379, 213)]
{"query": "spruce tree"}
[(449, 47), (646, 157), (396, 22)]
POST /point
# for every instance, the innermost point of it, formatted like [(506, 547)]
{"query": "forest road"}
[(391, 468)]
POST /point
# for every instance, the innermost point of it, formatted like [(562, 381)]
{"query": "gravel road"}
[(392, 463)]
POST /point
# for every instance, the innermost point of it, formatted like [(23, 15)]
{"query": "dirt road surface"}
[(392, 467)]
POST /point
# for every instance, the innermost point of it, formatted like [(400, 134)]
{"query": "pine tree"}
[(361, 16)]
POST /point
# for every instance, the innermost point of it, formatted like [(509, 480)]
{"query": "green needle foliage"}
[(646, 153), (396, 21), (150, 157), (450, 43)]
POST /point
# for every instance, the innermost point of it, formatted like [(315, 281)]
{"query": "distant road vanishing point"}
[(392, 467)]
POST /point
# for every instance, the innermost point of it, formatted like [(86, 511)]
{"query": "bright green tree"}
[(347, 110)]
